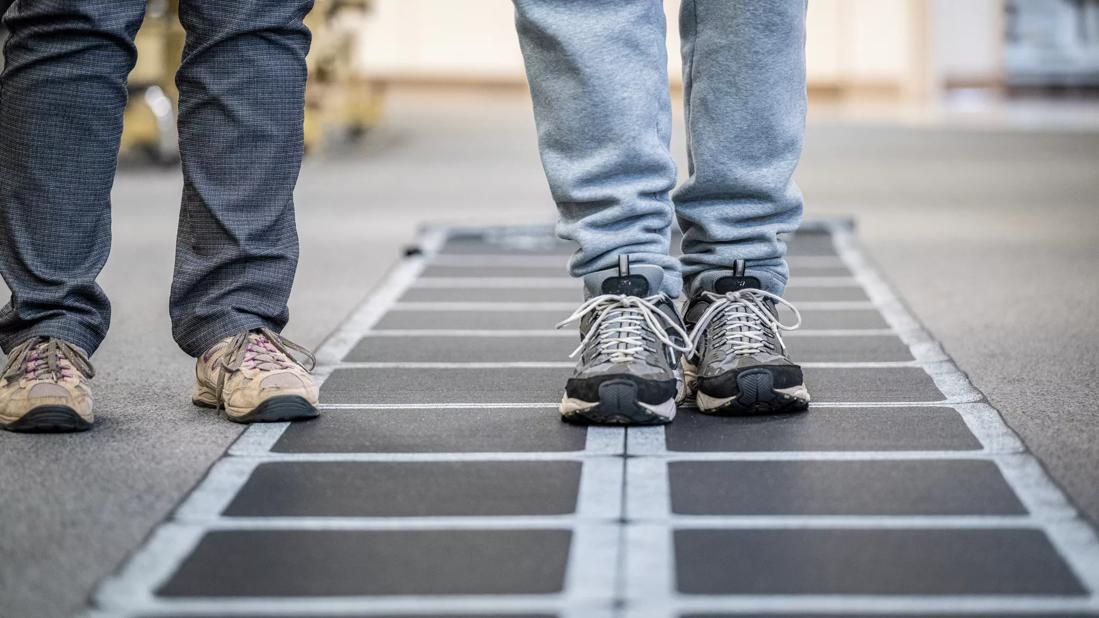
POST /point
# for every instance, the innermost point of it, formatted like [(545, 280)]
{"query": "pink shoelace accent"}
[(261, 349), (261, 353), (40, 358), (37, 365)]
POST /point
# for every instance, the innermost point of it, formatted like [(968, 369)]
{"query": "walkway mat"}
[(440, 482)]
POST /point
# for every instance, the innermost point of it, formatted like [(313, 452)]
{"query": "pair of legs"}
[(598, 79), (62, 95), (599, 83)]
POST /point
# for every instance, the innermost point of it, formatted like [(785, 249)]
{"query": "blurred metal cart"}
[(150, 118), (340, 102)]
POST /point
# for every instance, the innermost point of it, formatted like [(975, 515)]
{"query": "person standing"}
[(62, 95), (599, 84)]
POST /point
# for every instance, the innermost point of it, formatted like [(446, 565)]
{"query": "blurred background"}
[(962, 137), (904, 58)]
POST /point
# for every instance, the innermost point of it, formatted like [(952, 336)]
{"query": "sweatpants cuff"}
[(768, 280)]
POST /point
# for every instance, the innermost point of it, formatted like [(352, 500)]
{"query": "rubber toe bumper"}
[(759, 390), (279, 409), (49, 419), (618, 404)]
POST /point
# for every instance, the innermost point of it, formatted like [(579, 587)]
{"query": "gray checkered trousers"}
[(62, 95)]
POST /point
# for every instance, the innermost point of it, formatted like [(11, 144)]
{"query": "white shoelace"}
[(745, 331), (621, 325)]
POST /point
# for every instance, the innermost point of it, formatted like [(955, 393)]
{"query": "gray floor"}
[(990, 235), (636, 523)]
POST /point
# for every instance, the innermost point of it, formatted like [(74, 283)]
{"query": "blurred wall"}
[(898, 49)]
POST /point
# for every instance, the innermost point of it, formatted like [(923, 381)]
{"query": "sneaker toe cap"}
[(45, 390), (283, 381)]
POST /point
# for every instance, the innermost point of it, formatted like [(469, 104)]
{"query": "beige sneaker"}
[(256, 378), (44, 388)]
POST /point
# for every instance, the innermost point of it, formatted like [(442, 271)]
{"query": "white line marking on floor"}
[(985, 424), (648, 492), (605, 441), (650, 563), (218, 490), (590, 573), (159, 557), (260, 437)]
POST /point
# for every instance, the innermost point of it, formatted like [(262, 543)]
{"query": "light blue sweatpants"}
[(598, 78)]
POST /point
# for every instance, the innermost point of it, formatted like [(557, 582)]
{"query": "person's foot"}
[(740, 364), (255, 377), (44, 388), (632, 339)]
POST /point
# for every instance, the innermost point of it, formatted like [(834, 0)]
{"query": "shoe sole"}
[(49, 419), (757, 395), (618, 405), (273, 410)]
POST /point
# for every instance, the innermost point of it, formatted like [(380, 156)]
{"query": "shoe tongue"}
[(631, 280), (733, 283), (723, 281)]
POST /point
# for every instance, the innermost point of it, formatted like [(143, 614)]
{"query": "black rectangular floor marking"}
[(574, 294), (857, 384), (800, 244), (408, 489), (433, 430), (942, 487), (871, 562), (459, 349), (299, 563), (503, 269), (525, 319), (560, 271), (401, 385), (571, 294), (842, 319), (820, 244), (538, 246), (398, 385), (551, 347), (547, 319), (494, 615), (804, 293), (906, 615), (846, 348), (824, 429)]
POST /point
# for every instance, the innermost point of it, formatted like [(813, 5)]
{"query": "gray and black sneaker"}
[(740, 364), (632, 339)]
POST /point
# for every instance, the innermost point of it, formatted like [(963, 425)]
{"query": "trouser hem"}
[(86, 339), (195, 340)]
